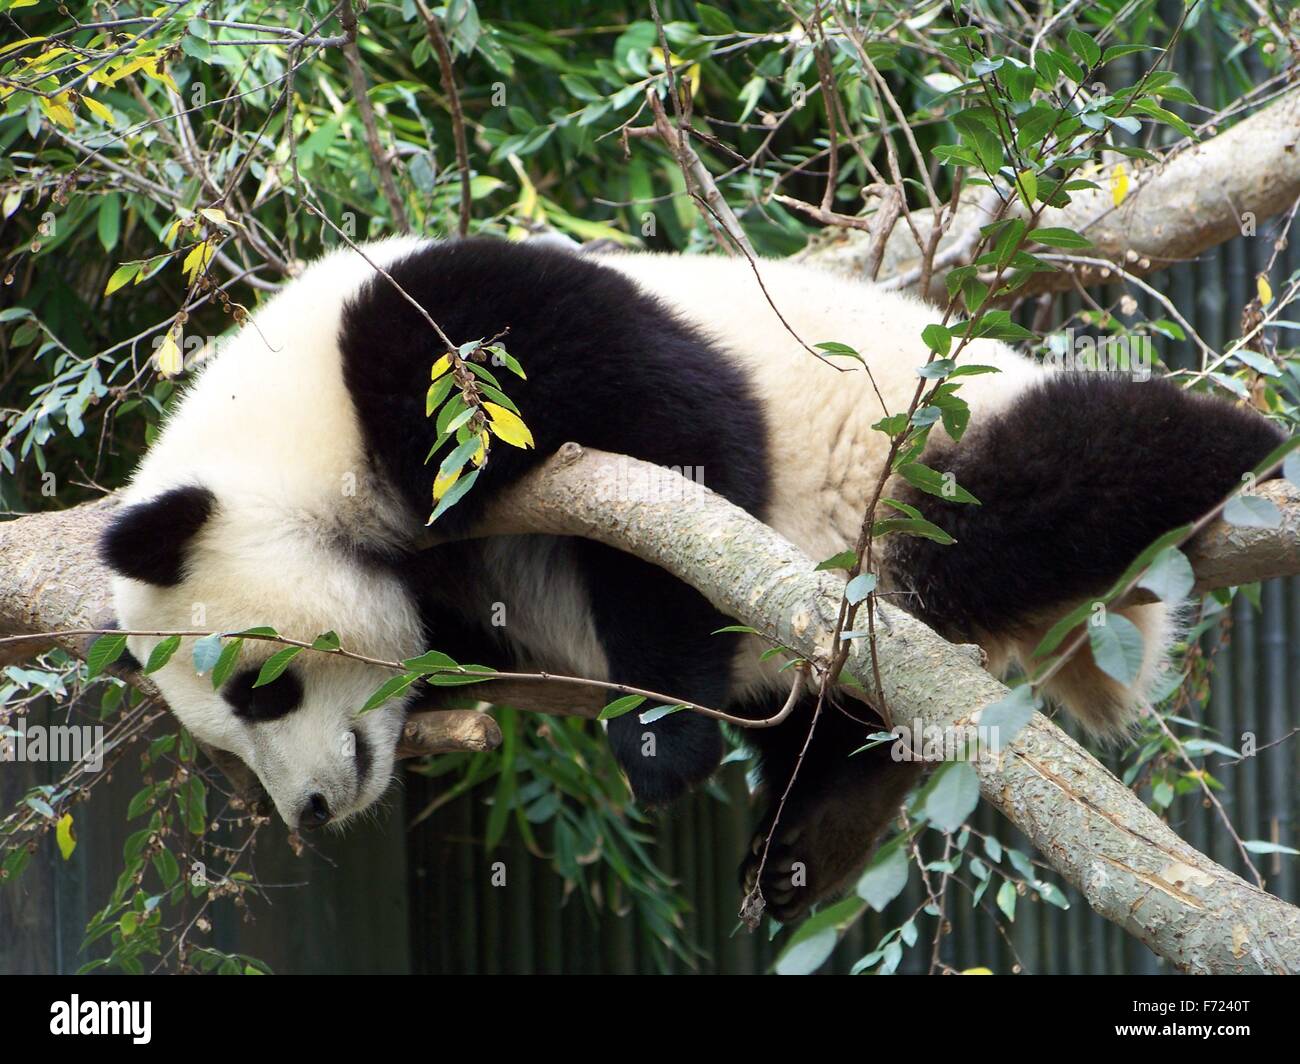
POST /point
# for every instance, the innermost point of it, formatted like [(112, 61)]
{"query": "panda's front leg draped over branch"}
[(305, 516)]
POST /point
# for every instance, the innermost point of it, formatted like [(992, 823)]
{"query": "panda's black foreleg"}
[(656, 634), (840, 805)]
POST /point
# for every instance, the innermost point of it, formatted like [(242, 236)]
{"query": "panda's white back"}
[(826, 457)]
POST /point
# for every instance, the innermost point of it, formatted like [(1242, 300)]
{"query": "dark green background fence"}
[(383, 899)]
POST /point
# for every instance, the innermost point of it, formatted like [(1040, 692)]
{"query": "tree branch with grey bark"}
[(1185, 202)]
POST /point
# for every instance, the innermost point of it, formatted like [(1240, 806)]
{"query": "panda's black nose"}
[(316, 813)]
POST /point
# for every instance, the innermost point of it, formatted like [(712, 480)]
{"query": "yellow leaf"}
[(478, 456), (440, 367), (217, 217), (64, 837), (1264, 289), (170, 359), (441, 484), (151, 71), (693, 76), (172, 230), (20, 43), (56, 111), (121, 275), (130, 66), (1118, 184), (529, 205), (197, 260), (507, 426), (42, 61), (977, 971), (97, 109)]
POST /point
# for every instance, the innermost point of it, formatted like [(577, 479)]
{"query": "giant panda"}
[(288, 487)]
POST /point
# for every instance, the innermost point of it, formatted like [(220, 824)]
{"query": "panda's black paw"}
[(817, 851), (664, 759)]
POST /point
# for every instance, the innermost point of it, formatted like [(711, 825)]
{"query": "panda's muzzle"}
[(315, 813)]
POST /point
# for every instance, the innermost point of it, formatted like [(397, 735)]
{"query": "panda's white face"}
[(190, 560)]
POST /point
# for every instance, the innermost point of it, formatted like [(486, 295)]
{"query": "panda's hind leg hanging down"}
[(842, 801), (656, 636), (1076, 477)]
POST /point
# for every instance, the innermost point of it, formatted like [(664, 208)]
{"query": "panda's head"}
[(189, 558)]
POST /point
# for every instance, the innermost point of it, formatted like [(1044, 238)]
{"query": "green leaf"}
[(715, 22), (1170, 577), (168, 868), (1084, 47), (894, 425), (832, 349), (431, 661), (226, 662), (846, 559), (390, 688), (816, 938), (207, 651), (935, 483), (162, 653), (1007, 899), (1262, 847), (109, 221), (103, 652), (936, 370), (860, 587), (652, 715), (1117, 647), (275, 665), (1058, 237), (121, 276), (438, 391), (938, 338), (1051, 894), (886, 876), (1291, 468), (1252, 511), (1007, 717), (326, 641), (620, 706), (911, 526), (454, 494), (953, 796)]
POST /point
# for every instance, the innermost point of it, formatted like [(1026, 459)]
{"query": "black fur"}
[(1076, 477), (611, 368), (842, 801), (363, 755), (147, 541), (271, 701)]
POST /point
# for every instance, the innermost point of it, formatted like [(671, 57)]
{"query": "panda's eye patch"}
[(272, 701)]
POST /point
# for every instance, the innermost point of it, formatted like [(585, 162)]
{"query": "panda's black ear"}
[(147, 541)]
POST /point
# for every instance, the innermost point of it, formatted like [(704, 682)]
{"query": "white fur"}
[(269, 428)]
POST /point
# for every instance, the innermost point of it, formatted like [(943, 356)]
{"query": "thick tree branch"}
[(1176, 208), (1129, 865)]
